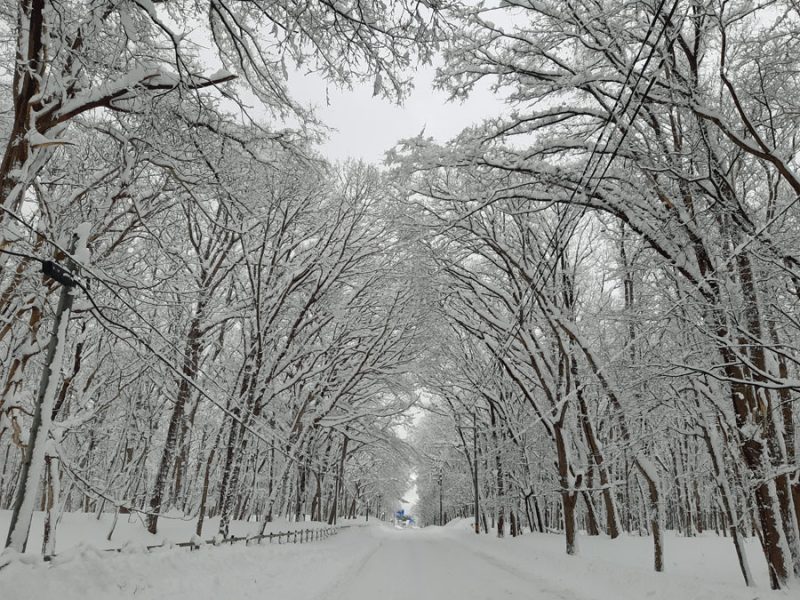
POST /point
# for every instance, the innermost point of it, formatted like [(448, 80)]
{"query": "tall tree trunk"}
[(168, 456), (569, 494), (32, 466), (728, 500), (201, 513), (339, 482)]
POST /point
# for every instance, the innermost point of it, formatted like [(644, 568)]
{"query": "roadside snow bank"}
[(698, 568), (287, 572)]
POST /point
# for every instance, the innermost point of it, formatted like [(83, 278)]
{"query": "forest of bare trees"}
[(617, 256), (199, 313), (591, 298)]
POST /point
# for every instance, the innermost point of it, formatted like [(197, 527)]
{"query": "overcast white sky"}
[(367, 126)]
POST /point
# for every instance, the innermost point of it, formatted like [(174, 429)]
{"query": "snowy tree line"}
[(597, 290), (198, 312), (617, 263)]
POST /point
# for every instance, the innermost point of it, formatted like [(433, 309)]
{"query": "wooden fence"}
[(298, 536)]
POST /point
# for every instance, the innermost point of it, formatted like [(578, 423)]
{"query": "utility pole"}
[(475, 469), (441, 512), (34, 459)]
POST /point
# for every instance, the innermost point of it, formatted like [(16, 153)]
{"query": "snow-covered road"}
[(427, 565)]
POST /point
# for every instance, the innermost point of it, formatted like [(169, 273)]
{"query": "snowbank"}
[(699, 568), (287, 572), (85, 530)]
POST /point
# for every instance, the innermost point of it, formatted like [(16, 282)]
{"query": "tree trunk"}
[(201, 513), (169, 454), (656, 511), (52, 491), (569, 495), (33, 463), (339, 482)]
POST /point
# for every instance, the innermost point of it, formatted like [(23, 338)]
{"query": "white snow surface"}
[(78, 531), (378, 562)]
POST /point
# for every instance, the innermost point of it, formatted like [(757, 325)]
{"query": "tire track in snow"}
[(425, 565), (521, 574), (343, 581)]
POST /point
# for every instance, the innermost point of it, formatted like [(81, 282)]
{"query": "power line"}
[(103, 317), (579, 185)]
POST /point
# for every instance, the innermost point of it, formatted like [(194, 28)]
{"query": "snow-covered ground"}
[(703, 567), (379, 562), (85, 529)]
